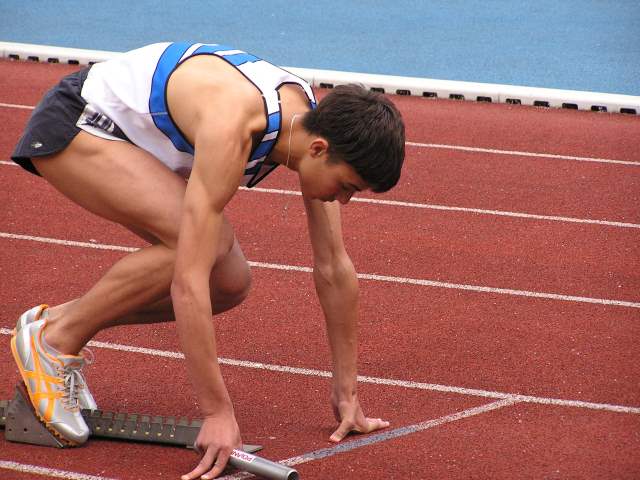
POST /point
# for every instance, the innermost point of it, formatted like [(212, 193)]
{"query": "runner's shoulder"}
[(211, 75), (208, 87)]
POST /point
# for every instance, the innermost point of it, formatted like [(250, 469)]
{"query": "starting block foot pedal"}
[(22, 425)]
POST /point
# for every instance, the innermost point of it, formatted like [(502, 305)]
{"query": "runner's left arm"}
[(337, 288)]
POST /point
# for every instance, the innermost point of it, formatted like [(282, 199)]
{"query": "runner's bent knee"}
[(230, 279), (234, 290)]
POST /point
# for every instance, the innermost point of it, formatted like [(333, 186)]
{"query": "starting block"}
[(21, 425)]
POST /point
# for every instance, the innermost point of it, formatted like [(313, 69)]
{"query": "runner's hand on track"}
[(349, 413), (218, 436)]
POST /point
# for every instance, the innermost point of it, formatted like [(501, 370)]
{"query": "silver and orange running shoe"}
[(52, 383), (39, 312)]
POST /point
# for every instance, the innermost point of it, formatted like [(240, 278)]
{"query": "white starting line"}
[(383, 436)]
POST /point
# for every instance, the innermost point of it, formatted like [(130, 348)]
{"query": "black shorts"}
[(54, 121)]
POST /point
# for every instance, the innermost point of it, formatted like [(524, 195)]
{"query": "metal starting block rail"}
[(21, 425)]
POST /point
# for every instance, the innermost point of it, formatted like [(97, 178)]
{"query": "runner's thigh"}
[(120, 182)]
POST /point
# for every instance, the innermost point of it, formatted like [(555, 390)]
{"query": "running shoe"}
[(39, 312), (52, 383)]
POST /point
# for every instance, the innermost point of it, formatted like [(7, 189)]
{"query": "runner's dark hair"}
[(364, 129)]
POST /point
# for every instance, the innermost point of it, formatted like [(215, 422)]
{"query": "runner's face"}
[(329, 180)]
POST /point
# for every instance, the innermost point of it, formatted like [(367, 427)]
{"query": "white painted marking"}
[(383, 436), (362, 276), (47, 472), (395, 203), (398, 432), (501, 291), (309, 372), (516, 153), (13, 105), (67, 243), (463, 148)]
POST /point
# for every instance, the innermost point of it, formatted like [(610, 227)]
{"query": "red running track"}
[(558, 325)]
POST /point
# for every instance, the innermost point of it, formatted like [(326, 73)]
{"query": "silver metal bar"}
[(261, 466)]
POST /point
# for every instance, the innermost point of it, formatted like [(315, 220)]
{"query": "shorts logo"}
[(90, 116), (36, 144)]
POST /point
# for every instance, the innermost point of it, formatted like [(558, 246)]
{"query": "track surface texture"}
[(500, 305)]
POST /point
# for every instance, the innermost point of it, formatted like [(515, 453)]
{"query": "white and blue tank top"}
[(130, 89)]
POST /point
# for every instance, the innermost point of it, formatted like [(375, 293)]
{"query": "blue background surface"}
[(581, 45)]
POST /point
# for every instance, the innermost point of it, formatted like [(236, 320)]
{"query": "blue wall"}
[(582, 45)]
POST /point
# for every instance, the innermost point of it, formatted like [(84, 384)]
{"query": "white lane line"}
[(463, 148), (362, 276), (396, 203), (500, 291), (309, 372), (384, 436), (502, 213), (13, 105), (516, 153), (48, 472), (68, 243)]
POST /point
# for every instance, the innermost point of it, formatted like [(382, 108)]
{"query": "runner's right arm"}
[(221, 148)]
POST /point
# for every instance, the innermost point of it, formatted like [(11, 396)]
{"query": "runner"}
[(158, 140)]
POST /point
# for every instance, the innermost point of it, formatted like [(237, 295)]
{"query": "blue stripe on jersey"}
[(274, 122), (157, 104), (240, 58), (263, 149), (159, 111), (211, 49)]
